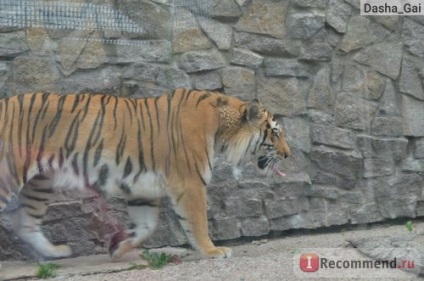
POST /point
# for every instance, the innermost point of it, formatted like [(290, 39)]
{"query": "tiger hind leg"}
[(144, 217), (34, 198)]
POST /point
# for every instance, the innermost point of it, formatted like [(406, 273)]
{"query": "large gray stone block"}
[(255, 226), (305, 25), (298, 133), (152, 79), (328, 179), (103, 80), (33, 74), (378, 167), (298, 162), (419, 148), (85, 53), (309, 220), (222, 9), (281, 96), (225, 228), (267, 45), (145, 51), (264, 17), (280, 207), (408, 184), (353, 113), (412, 116), (285, 67), (281, 224), (412, 165), (413, 36), (316, 51), (64, 210), (340, 217), (246, 57), (420, 209), (365, 213), (324, 191), (387, 126), (399, 207), (153, 19), (221, 34), (39, 42), (338, 15), (196, 61), (358, 34), (319, 4), (389, 101), (321, 118), (382, 147), (71, 229), (293, 185), (375, 86), (207, 81), (354, 78), (13, 43), (410, 81), (187, 34), (343, 163), (384, 57), (333, 136), (337, 69), (361, 32), (393, 187), (239, 82), (242, 206)]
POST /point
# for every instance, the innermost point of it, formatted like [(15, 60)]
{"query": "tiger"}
[(140, 149)]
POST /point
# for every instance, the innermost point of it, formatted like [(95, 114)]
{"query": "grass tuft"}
[(156, 260), (409, 226), (46, 270), (134, 266)]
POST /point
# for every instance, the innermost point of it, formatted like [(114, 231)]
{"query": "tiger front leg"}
[(144, 218), (190, 206)]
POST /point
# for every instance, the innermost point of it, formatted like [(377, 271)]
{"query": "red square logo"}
[(309, 262)]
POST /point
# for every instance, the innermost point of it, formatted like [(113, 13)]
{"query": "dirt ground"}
[(266, 259)]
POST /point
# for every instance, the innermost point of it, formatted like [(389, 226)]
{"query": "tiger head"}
[(271, 145), (259, 138)]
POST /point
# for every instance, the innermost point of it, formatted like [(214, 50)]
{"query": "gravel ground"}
[(260, 260)]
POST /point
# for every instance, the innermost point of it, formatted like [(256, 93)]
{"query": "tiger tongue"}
[(277, 171)]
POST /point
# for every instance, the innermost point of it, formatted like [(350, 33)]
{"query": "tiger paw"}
[(57, 252), (119, 245), (219, 252)]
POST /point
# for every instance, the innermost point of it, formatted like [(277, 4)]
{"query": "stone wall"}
[(347, 88)]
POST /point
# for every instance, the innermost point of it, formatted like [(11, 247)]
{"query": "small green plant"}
[(409, 226), (134, 266), (156, 260), (46, 270)]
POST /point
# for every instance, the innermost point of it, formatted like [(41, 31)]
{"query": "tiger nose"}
[(286, 154)]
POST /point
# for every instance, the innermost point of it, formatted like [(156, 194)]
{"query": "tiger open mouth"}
[(271, 163)]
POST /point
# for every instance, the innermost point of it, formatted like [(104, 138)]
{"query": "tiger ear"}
[(252, 111)]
